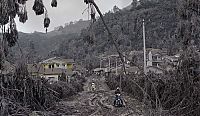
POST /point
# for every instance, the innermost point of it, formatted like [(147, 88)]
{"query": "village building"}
[(155, 57), (99, 71), (155, 61), (58, 63), (52, 68)]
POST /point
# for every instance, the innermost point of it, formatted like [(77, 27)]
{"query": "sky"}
[(66, 11)]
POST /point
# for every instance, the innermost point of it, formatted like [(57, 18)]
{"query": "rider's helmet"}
[(117, 88), (92, 83)]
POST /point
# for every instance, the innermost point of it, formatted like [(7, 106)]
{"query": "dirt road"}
[(96, 103)]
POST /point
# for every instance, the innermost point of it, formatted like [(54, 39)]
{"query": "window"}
[(154, 64), (69, 66), (51, 77), (51, 65), (154, 58)]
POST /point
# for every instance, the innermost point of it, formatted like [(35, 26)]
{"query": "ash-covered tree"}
[(189, 17), (115, 9), (188, 29), (9, 9), (187, 75), (134, 3)]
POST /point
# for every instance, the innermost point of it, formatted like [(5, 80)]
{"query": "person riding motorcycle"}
[(118, 97), (117, 91), (93, 86)]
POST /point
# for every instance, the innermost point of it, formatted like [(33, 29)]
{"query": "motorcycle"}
[(118, 101), (93, 87)]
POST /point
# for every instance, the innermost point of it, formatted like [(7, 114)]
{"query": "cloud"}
[(67, 10)]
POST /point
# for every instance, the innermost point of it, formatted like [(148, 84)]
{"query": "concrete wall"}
[(51, 77)]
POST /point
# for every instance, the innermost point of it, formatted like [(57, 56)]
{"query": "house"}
[(55, 74), (155, 60), (129, 69), (171, 60), (52, 68), (57, 62), (155, 57), (99, 70), (37, 70)]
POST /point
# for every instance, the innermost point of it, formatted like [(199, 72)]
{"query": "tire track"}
[(99, 102)]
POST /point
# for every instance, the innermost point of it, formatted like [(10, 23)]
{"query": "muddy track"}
[(98, 102)]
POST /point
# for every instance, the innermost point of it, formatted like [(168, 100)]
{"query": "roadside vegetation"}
[(21, 94)]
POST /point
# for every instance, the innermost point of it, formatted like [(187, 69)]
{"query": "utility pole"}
[(100, 63), (144, 45), (124, 57), (116, 66), (145, 71), (109, 63)]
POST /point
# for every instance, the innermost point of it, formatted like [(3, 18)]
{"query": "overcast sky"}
[(66, 11)]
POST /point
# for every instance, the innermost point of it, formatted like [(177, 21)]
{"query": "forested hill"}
[(126, 25), (41, 45)]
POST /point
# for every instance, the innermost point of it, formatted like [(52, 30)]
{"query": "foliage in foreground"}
[(21, 94)]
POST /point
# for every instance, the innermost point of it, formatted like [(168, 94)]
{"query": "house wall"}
[(61, 65), (155, 70), (153, 60), (55, 77), (150, 59)]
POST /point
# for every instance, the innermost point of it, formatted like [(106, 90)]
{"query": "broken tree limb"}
[(110, 35)]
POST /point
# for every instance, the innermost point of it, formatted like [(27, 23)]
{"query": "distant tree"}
[(59, 28), (189, 16), (9, 10), (142, 2), (134, 3), (115, 9), (71, 23)]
